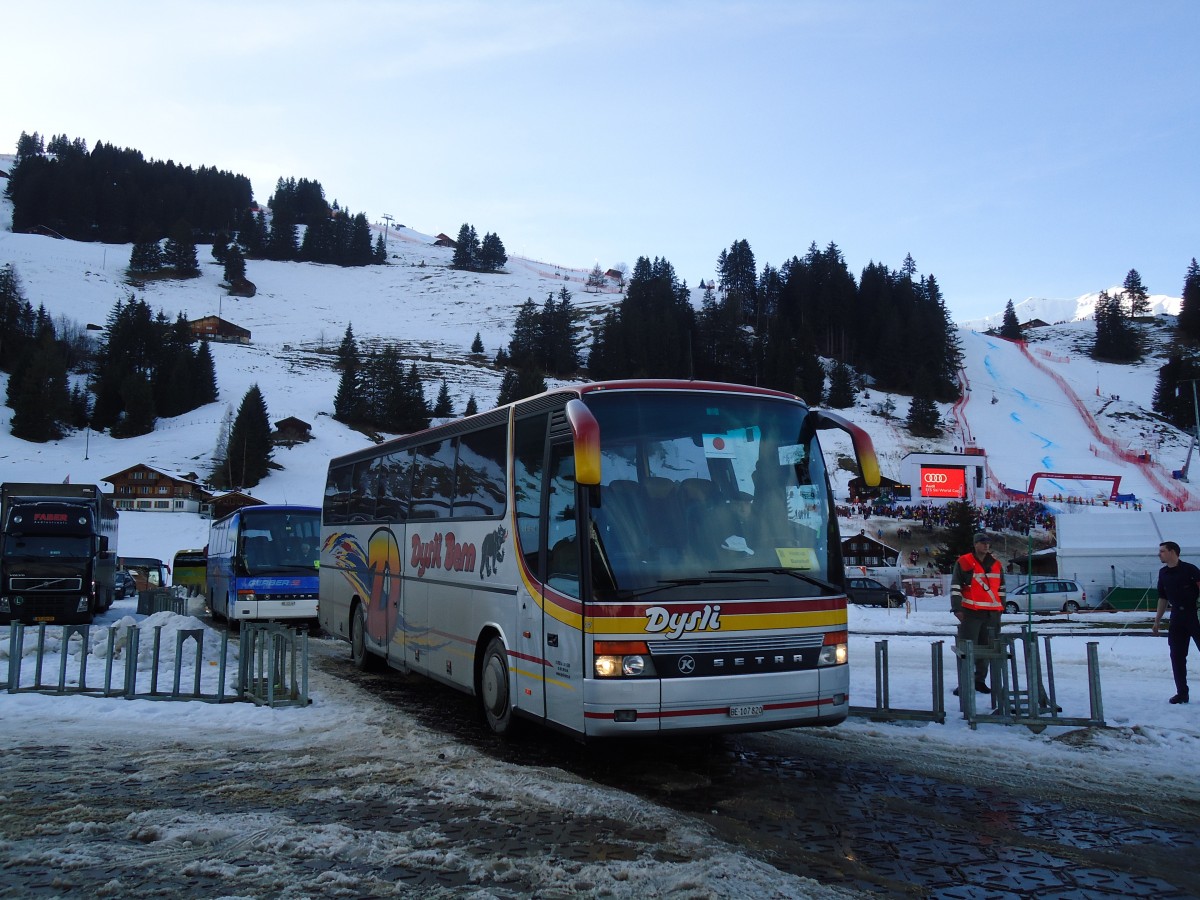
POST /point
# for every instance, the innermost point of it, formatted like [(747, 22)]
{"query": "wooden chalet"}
[(444, 240), (146, 488), (291, 431), (863, 550), (888, 490), (214, 328), (222, 504)]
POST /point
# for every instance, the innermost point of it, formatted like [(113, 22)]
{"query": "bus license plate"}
[(741, 712), (287, 602)]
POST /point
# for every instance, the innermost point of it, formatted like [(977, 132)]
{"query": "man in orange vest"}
[(977, 598)]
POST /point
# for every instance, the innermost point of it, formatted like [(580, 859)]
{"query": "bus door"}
[(562, 609), (529, 512)]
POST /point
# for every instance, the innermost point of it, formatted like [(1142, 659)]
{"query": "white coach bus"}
[(620, 558)]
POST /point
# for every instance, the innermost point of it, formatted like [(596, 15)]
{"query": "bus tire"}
[(363, 659), (494, 685)]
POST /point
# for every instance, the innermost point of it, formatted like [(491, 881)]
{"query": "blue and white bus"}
[(262, 563)]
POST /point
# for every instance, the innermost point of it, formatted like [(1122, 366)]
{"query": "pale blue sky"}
[(1014, 149)]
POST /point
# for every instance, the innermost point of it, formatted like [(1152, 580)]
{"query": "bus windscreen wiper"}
[(780, 570), (665, 583)]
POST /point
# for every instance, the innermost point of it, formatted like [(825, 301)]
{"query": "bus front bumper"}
[(716, 703)]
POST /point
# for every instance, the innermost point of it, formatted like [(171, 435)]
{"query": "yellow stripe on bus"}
[(758, 622)]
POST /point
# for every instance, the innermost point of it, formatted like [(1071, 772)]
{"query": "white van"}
[(1052, 595)]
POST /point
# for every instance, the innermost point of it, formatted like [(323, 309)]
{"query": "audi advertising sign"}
[(941, 481)]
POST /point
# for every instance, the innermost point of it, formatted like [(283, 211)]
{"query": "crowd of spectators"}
[(1012, 517)]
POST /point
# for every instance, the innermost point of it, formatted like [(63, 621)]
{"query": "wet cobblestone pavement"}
[(865, 824), (121, 831), (208, 822)]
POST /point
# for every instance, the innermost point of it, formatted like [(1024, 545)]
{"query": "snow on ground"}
[(301, 312)]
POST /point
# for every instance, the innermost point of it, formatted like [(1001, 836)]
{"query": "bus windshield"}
[(280, 541), (715, 494)]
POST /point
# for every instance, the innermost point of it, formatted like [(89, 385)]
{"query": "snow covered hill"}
[(1059, 310), (1054, 408)]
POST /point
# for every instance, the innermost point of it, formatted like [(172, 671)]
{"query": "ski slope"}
[(1028, 408)]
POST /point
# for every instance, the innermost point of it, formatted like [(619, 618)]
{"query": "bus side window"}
[(562, 539), (529, 446)]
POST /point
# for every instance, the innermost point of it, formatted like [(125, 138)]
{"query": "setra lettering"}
[(659, 619)]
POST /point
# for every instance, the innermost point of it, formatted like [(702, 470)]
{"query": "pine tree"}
[(137, 399), (467, 249), (204, 383), (16, 319), (1116, 339), (923, 418), (595, 280), (417, 411), (248, 459), (1135, 293), (180, 251), (492, 256), (1189, 310), (283, 242), (39, 393), (1011, 328), (472, 408), (526, 342), (348, 405), (963, 523), (841, 386), (477, 345), (145, 258), (443, 407), (221, 449), (235, 266)]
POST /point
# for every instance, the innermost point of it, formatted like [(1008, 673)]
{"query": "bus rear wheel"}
[(494, 688), (362, 658)]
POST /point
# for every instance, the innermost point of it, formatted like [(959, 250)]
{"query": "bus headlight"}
[(5, 606), (836, 650), (622, 659), (83, 605)]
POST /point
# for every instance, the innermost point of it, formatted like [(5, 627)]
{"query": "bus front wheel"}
[(494, 688)]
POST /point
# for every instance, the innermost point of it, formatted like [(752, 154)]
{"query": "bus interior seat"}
[(622, 518)]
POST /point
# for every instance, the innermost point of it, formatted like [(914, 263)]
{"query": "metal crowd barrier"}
[(1011, 704), (156, 600), (272, 669), (273, 666), (883, 711), (1034, 705)]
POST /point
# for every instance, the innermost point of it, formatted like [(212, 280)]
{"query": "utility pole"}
[(1195, 434)]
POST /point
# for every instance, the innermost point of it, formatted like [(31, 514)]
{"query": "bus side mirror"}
[(864, 448), (586, 432)]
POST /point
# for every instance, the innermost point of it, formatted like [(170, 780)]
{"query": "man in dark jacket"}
[(1178, 587)]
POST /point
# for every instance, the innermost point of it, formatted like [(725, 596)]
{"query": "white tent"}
[(1102, 549)]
